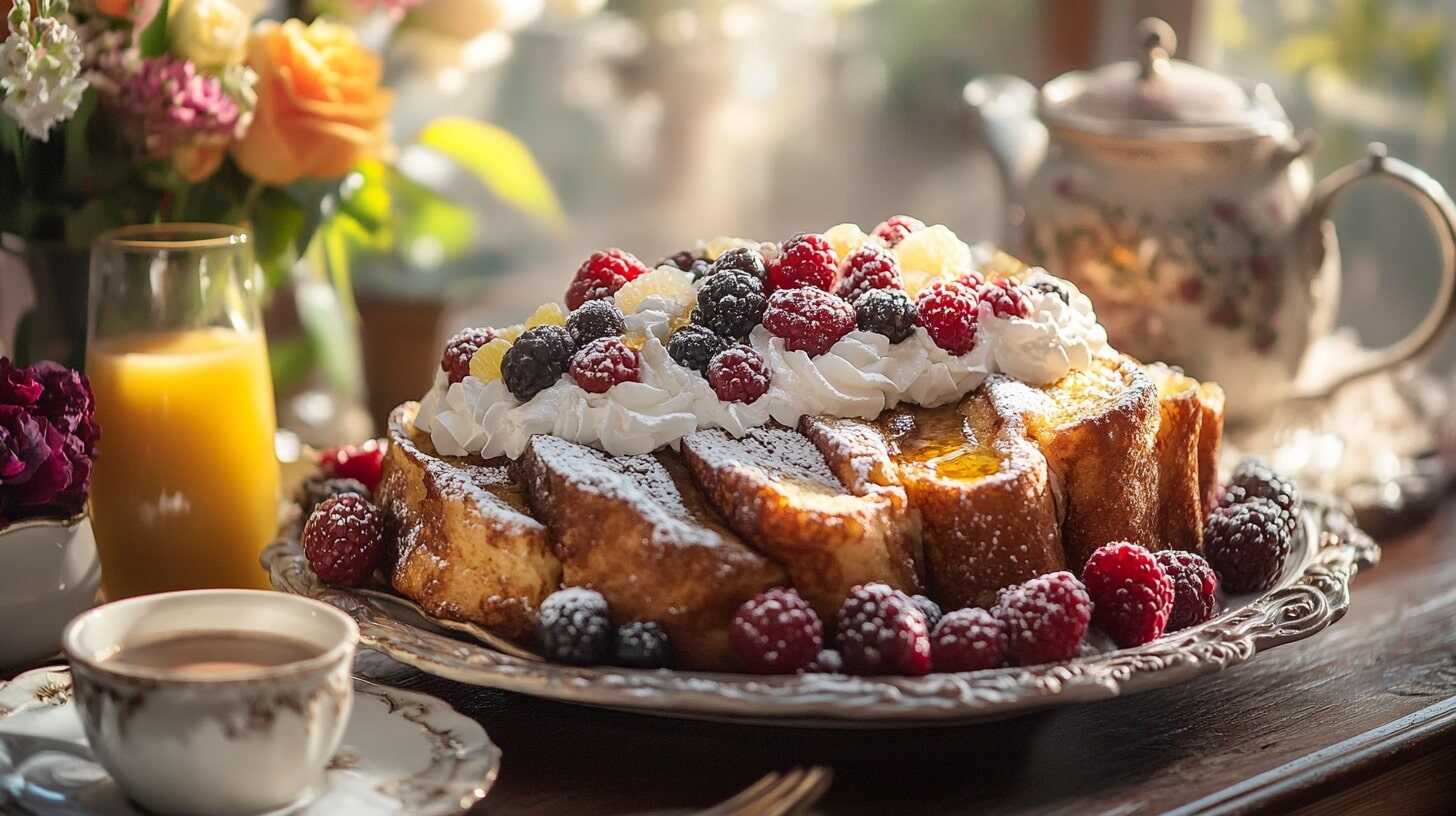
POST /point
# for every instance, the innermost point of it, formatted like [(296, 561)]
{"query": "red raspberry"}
[(949, 313), (807, 259), (738, 374), (809, 320), (776, 632), (893, 230), (968, 640), (869, 267), (1045, 618), (603, 363), (1007, 299), (455, 362), (601, 275), (364, 463), (1131, 595), (1195, 588), (344, 539), (882, 631)]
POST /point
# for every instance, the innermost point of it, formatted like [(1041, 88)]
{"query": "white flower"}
[(40, 68), (211, 33)]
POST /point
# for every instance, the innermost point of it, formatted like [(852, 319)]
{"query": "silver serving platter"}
[(1313, 593)]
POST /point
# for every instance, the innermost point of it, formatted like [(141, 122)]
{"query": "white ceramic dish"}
[(1313, 593), (402, 753), (51, 575)]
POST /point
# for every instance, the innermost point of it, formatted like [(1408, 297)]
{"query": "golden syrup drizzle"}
[(946, 443)]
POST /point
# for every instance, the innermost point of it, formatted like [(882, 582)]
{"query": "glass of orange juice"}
[(185, 491)]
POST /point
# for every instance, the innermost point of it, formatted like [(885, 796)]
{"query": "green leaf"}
[(499, 161), (278, 222), (290, 359), (78, 153), (153, 41)]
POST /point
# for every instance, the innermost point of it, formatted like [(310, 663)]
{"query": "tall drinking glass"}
[(185, 491)]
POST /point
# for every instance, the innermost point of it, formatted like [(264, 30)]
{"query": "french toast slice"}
[(468, 548), (983, 492), (1189, 407), (638, 530), (1178, 519), (1098, 429), (776, 490)]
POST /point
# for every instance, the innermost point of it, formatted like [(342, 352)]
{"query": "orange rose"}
[(320, 108)]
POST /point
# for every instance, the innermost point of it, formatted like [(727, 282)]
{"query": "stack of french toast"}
[(954, 502)]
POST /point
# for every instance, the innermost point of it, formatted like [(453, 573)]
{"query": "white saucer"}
[(403, 753)]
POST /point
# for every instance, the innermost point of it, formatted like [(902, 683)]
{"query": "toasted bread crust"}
[(1178, 517), (1098, 429), (468, 550), (636, 529), (1210, 435), (776, 491), (983, 492)]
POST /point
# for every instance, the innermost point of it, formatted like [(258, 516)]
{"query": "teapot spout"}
[(1005, 109)]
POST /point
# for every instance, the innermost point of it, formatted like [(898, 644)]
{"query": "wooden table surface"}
[(1359, 719)]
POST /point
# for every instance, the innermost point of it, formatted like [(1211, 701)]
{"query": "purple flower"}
[(48, 436), (18, 386)]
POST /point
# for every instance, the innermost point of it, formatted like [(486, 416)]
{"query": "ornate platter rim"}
[(1313, 593)]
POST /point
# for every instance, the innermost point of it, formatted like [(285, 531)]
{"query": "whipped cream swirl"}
[(860, 376)]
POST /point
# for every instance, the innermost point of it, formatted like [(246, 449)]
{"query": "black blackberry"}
[(682, 259), (1054, 288), (731, 303), (693, 346), (741, 259), (536, 360), (574, 627), (887, 311), (1253, 478), (317, 488), (1247, 544), (643, 645), (593, 320), (932, 611)]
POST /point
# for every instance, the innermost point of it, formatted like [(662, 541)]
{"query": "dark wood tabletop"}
[(1358, 719)]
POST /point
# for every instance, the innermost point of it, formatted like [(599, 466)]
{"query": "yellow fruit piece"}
[(547, 314), (510, 333), (930, 255), (486, 364), (845, 238), (635, 340), (666, 282), (1002, 266), (723, 243), (679, 320)]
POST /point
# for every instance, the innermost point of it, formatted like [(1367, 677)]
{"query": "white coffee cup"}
[(229, 744)]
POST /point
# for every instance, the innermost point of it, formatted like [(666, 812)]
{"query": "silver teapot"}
[(1185, 206)]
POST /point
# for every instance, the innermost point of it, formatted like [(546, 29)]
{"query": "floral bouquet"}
[(48, 437), (128, 111)]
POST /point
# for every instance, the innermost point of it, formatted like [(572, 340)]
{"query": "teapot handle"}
[(1441, 213)]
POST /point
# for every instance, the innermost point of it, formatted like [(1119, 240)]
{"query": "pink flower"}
[(176, 105)]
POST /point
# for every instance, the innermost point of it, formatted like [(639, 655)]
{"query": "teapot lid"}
[(1158, 95)]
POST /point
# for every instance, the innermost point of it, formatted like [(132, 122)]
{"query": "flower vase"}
[(49, 573), (42, 301)]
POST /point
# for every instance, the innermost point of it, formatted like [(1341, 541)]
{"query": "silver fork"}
[(777, 794)]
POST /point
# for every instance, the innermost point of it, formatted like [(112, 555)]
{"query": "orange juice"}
[(185, 493)]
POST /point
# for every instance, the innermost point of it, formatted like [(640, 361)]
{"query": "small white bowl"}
[(51, 575), (236, 745)]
